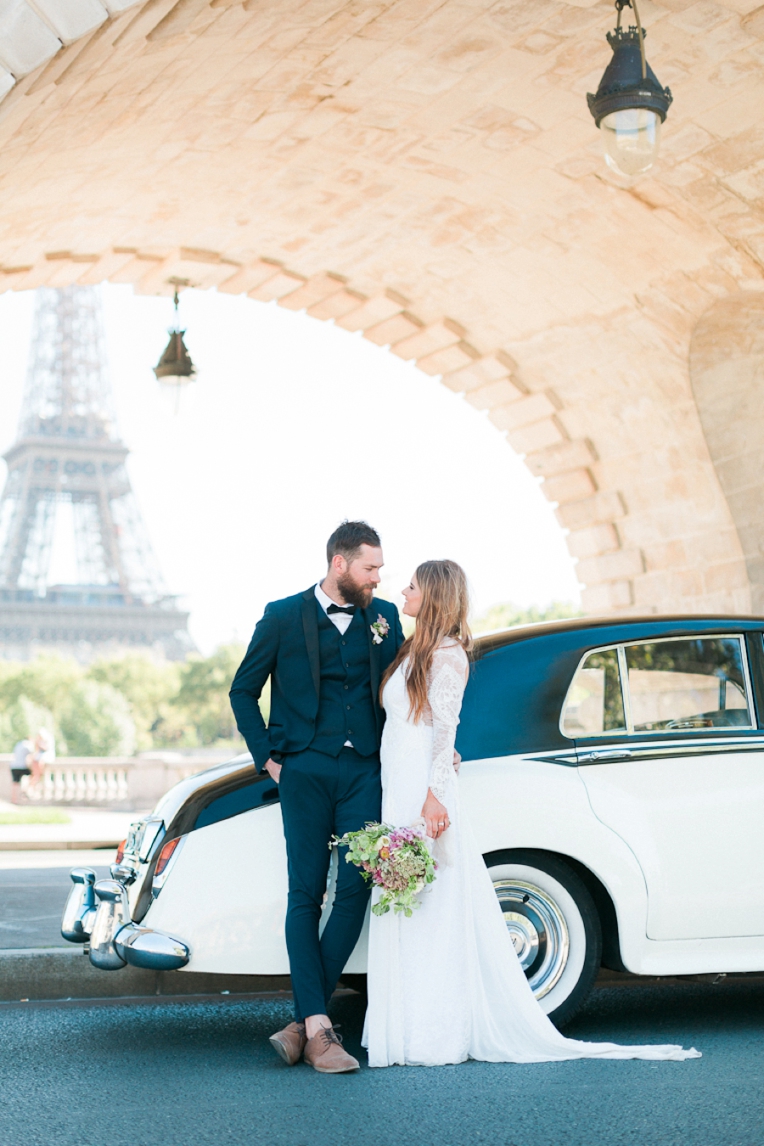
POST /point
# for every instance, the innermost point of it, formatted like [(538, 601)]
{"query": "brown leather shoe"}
[(289, 1043), (325, 1053)]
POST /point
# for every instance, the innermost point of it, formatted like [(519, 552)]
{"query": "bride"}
[(445, 985)]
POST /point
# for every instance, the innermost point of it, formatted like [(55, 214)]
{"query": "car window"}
[(687, 684), (594, 703), (678, 685)]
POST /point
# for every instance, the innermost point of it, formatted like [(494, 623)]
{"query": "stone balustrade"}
[(116, 782)]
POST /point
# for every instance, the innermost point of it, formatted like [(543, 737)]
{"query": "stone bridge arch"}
[(429, 175)]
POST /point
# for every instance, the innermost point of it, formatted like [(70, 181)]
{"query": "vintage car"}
[(613, 772)]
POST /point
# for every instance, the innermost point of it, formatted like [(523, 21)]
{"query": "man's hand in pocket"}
[(273, 769)]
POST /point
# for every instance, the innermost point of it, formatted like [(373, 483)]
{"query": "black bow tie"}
[(348, 609)]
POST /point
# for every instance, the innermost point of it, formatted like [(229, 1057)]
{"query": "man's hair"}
[(348, 538)]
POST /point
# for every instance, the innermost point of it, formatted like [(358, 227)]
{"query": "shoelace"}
[(331, 1036)]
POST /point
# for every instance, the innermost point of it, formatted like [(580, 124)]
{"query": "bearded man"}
[(325, 651)]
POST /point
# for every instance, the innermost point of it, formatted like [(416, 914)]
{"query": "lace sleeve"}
[(448, 678)]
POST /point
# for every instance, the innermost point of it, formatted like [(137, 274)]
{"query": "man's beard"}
[(354, 594)]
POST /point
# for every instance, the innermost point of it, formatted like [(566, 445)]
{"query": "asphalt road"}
[(195, 1074), (31, 903)]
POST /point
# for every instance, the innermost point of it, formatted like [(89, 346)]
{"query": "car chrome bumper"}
[(114, 939)]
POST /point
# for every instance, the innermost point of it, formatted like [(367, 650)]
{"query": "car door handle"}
[(605, 754)]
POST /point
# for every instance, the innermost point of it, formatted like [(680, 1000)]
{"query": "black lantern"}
[(630, 104), (175, 367)]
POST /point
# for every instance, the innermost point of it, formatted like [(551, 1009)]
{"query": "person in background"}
[(20, 767), (44, 753)]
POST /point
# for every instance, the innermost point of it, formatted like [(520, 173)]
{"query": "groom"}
[(325, 651)]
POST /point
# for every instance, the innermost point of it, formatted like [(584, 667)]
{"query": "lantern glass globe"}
[(631, 138)]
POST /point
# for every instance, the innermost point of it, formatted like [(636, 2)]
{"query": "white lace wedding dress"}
[(445, 985)]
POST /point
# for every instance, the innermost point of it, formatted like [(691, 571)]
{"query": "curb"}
[(65, 973)]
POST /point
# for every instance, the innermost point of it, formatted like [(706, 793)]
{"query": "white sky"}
[(292, 426)]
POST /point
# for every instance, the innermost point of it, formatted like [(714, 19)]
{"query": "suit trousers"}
[(322, 796)]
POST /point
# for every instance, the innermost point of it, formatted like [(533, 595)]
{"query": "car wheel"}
[(554, 925)]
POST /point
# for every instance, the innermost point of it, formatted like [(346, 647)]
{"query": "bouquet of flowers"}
[(396, 859)]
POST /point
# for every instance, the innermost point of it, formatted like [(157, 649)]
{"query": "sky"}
[(292, 426)]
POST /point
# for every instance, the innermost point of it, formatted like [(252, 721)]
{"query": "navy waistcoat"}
[(345, 708)]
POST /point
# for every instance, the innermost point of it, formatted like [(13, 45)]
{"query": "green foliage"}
[(121, 705), (507, 615), (150, 690), (203, 693), (23, 718), (397, 860), (96, 721), (35, 816)]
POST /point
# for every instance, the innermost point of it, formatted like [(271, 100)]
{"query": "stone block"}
[(64, 270), (601, 507), (621, 565), (560, 458), (448, 359), (609, 598), (394, 329), (487, 369), (315, 290), (726, 575), (526, 410), (283, 282), (187, 267), (670, 555), (373, 311), (247, 278), (528, 438), (109, 263), (337, 305), (593, 541), (426, 341), (499, 393), (135, 269), (571, 486), (12, 277), (685, 585)]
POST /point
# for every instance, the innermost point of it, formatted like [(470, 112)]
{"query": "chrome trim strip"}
[(623, 672), (669, 751), (567, 759)]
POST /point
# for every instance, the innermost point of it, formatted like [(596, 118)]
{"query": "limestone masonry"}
[(427, 172)]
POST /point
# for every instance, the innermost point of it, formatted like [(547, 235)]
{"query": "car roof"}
[(675, 622)]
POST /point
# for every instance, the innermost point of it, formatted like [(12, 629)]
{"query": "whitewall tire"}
[(554, 926)]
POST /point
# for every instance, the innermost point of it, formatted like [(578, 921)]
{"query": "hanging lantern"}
[(630, 104), (175, 367)]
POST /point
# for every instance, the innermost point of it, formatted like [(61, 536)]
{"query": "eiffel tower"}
[(77, 572)]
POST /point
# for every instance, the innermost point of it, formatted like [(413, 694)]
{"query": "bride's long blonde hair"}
[(443, 613)]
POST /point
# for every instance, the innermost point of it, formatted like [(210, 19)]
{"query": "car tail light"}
[(167, 858), (120, 851)]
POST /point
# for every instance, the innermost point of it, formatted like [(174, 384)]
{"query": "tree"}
[(150, 689), (203, 693), (96, 721)]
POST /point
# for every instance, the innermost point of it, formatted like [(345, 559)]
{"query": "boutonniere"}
[(379, 629)]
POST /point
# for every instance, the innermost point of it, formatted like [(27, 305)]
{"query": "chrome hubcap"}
[(538, 931)]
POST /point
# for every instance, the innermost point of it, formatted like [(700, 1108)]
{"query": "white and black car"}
[(613, 772)]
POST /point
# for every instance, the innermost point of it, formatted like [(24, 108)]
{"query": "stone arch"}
[(727, 373), (488, 381)]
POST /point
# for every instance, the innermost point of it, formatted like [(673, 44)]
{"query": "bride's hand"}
[(435, 816)]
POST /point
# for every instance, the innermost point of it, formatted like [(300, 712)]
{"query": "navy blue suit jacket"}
[(284, 647)]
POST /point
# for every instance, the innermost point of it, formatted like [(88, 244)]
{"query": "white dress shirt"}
[(342, 621)]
